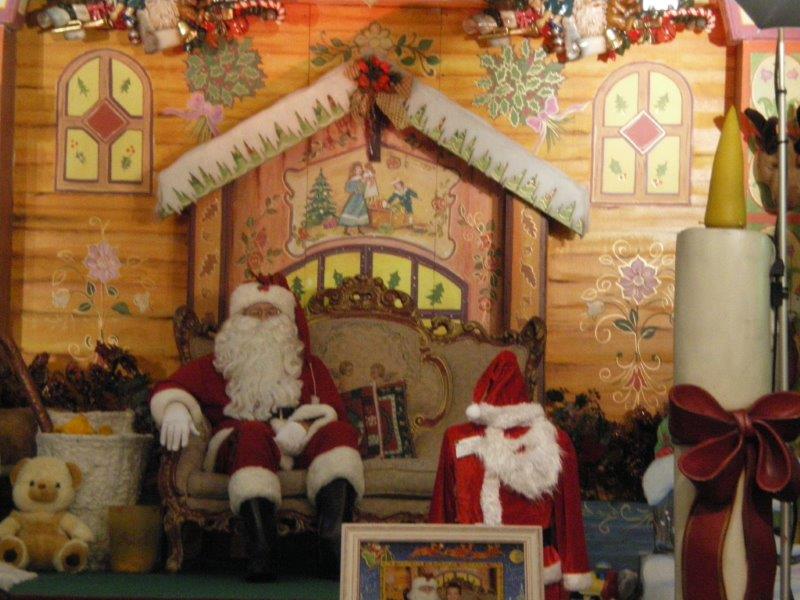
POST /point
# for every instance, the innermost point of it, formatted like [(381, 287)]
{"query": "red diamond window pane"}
[(643, 132), (105, 121)]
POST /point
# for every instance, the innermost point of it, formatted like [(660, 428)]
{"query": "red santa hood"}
[(277, 285), (501, 397)]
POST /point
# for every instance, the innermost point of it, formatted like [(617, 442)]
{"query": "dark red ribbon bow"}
[(725, 444)]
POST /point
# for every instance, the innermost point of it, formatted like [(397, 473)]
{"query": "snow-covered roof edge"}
[(211, 165)]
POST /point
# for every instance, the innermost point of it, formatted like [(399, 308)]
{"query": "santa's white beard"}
[(261, 362), (590, 17)]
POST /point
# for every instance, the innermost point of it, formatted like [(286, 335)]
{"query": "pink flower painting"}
[(102, 262), (638, 280)]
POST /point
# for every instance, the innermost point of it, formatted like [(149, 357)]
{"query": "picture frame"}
[(387, 561), (739, 26)]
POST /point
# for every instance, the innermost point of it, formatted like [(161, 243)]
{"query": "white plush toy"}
[(41, 534)]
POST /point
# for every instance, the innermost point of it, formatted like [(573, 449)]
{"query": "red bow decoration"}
[(266, 280), (725, 445)]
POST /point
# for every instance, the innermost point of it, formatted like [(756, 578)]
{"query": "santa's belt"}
[(282, 413)]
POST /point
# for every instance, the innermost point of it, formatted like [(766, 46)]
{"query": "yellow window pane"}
[(394, 270), (339, 266), (80, 156), (622, 101), (303, 281), (619, 167), (663, 167), (666, 104), (83, 89), (126, 157), (127, 89), (436, 292)]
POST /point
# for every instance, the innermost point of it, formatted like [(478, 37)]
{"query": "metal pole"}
[(783, 311)]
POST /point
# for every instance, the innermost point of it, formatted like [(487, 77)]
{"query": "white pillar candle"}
[(722, 344)]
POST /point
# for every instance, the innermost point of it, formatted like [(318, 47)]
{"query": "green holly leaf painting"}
[(121, 308), (394, 280), (90, 289), (338, 278), (661, 170), (436, 294), (615, 167), (620, 105), (662, 102), (648, 332), (624, 325), (85, 307), (518, 83), (226, 74)]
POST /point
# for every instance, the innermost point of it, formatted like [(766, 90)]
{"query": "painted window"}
[(104, 125), (436, 290), (642, 137)]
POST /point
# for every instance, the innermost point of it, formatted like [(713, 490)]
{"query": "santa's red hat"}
[(501, 397), (267, 288)]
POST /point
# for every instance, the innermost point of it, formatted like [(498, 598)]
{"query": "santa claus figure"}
[(272, 405), (525, 468), (423, 588)]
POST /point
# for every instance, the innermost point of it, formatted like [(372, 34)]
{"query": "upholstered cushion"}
[(380, 415)]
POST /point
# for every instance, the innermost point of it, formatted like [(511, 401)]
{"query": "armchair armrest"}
[(177, 466)]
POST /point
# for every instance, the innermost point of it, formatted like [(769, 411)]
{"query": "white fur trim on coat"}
[(162, 399), (251, 293), (577, 582), (659, 479), (213, 448), (253, 482), (505, 417), (319, 414), (340, 463), (552, 573), (503, 464)]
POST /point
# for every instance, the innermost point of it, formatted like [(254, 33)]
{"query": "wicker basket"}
[(112, 468)]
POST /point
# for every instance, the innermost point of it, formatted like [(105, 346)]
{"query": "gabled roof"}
[(299, 115)]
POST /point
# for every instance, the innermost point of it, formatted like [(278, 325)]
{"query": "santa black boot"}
[(335, 504), (261, 533)]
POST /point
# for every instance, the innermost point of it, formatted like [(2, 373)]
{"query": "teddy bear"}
[(41, 534)]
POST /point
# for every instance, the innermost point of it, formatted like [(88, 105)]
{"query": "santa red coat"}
[(247, 450), (540, 489)]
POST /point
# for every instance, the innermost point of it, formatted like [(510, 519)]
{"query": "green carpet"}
[(160, 585)]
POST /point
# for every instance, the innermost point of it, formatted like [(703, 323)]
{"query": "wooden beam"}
[(7, 72)]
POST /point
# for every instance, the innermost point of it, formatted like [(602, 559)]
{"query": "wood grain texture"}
[(47, 222), (7, 72)]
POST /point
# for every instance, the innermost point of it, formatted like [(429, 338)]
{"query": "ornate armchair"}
[(365, 325)]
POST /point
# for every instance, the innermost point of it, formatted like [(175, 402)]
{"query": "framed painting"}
[(408, 562)]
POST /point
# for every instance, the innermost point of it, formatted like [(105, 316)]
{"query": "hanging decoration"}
[(159, 24), (574, 29), (380, 90)]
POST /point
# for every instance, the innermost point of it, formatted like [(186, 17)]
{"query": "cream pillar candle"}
[(723, 344)]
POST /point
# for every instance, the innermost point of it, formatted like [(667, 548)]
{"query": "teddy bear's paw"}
[(14, 552), (72, 557)]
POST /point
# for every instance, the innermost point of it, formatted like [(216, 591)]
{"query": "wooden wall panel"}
[(579, 356), (7, 68)]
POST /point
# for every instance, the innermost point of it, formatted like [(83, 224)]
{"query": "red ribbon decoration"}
[(725, 444)]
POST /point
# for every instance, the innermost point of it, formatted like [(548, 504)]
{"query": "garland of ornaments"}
[(157, 24), (574, 29)]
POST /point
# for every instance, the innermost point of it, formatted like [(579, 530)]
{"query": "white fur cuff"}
[(505, 417), (162, 399), (319, 414), (552, 573), (291, 439), (576, 582), (253, 292), (339, 463), (253, 482), (658, 480)]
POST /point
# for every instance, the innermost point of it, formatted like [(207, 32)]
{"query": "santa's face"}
[(423, 589), (263, 311), (261, 361)]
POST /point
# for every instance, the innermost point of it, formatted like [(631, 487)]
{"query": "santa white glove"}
[(291, 438), (176, 426)]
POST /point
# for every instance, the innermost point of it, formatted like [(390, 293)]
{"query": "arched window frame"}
[(144, 123), (601, 132)]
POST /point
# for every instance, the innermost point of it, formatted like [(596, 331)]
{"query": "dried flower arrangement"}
[(612, 456)]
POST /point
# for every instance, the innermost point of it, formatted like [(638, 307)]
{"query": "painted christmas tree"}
[(298, 288), (319, 206)]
